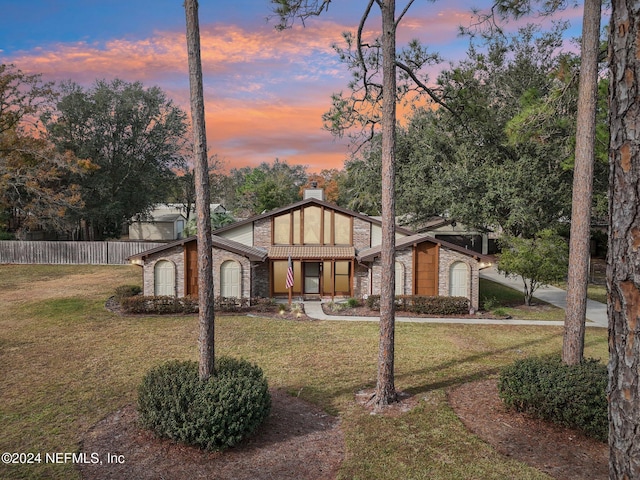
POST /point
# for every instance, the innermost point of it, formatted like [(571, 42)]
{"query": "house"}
[(481, 241), (335, 253), (165, 222)]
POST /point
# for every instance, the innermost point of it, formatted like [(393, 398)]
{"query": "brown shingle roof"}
[(370, 254), (298, 252)]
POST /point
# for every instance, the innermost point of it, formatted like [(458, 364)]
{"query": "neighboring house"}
[(453, 232), (335, 253), (165, 222)]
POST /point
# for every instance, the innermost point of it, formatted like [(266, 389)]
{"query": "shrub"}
[(425, 304), (126, 291), (353, 302), (573, 396), (159, 305), (186, 305), (213, 414)]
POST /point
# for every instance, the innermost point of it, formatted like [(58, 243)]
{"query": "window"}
[(342, 277), (458, 280), (399, 278), (312, 225), (230, 279), (164, 279), (279, 277), (282, 230), (342, 229)]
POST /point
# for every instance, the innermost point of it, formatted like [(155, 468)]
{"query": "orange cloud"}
[(265, 90)]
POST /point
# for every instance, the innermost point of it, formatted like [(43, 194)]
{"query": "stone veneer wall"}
[(262, 233), (405, 258), (447, 259), (219, 257), (176, 256), (361, 234), (260, 274)]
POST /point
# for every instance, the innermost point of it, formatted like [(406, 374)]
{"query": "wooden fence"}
[(71, 253)]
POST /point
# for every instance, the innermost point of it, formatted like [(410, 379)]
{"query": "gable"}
[(370, 254), (242, 233), (239, 231)]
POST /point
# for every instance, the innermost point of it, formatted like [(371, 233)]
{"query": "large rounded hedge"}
[(571, 395), (213, 414)]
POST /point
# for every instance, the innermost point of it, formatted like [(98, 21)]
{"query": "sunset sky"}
[(265, 91)]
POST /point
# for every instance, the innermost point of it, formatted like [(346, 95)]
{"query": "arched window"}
[(459, 280), (164, 278), (230, 279), (399, 279)]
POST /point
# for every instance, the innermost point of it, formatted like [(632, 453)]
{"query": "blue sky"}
[(265, 91)]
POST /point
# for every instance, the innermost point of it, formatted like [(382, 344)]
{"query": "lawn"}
[(67, 362), (504, 301)]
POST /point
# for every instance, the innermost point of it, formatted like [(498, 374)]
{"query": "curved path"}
[(596, 311)]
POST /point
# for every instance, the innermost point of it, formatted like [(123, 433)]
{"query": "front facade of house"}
[(334, 252)]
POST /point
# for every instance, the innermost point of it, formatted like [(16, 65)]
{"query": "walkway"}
[(596, 311)]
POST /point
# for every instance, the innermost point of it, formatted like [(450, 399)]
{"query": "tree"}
[(497, 157), (35, 185), (218, 220), (623, 258), (132, 134), (267, 186), (580, 237), (585, 149), (539, 260), (36, 190), (329, 180), (372, 102), (206, 314)]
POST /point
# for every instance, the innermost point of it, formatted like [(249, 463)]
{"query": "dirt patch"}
[(297, 441), (403, 404), (563, 453)]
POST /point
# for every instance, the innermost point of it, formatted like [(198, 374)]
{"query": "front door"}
[(312, 278)]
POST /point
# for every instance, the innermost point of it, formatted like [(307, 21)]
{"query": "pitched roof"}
[(309, 201), (252, 253), (370, 254)]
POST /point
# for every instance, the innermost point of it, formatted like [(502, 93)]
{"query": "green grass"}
[(502, 300), (67, 362)]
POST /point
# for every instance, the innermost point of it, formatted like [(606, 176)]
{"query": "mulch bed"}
[(563, 453), (297, 441)]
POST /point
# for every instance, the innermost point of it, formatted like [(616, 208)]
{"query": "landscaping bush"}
[(573, 396), (214, 414), (159, 305), (187, 305), (353, 303), (126, 291), (425, 304)]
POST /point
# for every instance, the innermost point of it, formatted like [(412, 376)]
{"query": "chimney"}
[(314, 192)]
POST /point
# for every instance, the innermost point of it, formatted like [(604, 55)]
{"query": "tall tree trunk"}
[(385, 388), (206, 314), (579, 251), (623, 257)]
